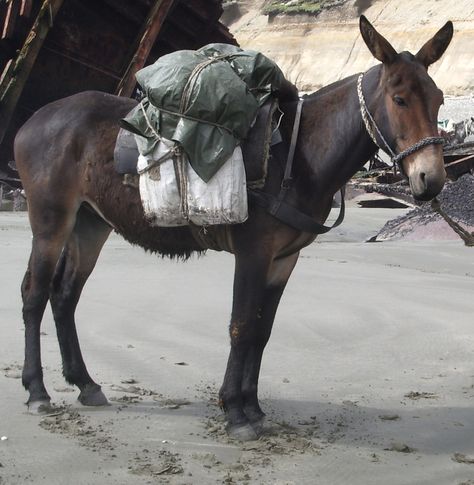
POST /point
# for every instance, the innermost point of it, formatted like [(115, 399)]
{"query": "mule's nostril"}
[(423, 179)]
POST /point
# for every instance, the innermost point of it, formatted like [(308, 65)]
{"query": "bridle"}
[(373, 131)]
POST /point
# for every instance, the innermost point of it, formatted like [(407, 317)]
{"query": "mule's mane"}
[(329, 88)]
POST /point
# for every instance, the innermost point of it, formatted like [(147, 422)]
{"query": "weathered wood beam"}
[(25, 9), (123, 8), (14, 80), (10, 20), (150, 32)]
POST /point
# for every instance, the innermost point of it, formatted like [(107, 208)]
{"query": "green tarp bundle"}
[(205, 100)]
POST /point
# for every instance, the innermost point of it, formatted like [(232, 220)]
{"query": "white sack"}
[(223, 200)]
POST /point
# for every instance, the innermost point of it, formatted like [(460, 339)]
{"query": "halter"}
[(372, 129)]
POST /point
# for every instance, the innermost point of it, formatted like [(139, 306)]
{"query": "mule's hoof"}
[(242, 432), (40, 407), (92, 396), (259, 426)]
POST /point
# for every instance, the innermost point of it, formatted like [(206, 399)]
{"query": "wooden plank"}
[(459, 150), (123, 7), (10, 21), (8, 68), (152, 28), (459, 167), (25, 9), (14, 81)]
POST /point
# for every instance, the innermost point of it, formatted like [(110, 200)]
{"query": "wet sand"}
[(368, 377)]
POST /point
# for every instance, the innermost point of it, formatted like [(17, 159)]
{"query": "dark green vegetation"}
[(311, 7)]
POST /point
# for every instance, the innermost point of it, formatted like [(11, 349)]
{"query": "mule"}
[(64, 155)]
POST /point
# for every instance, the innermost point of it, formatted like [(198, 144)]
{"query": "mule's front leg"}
[(249, 286), (277, 278)]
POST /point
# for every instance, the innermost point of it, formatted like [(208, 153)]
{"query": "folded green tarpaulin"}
[(205, 100)]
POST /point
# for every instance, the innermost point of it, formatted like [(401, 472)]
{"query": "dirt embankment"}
[(314, 51)]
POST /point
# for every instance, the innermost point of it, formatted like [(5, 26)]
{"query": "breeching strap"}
[(284, 212)]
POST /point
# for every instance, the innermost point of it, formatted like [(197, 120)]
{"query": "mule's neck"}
[(334, 143)]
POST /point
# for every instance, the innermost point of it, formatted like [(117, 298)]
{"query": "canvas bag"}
[(173, 194)]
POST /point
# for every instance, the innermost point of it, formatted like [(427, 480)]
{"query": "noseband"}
[(372, 129)]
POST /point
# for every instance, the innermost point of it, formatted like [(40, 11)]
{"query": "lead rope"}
[(466, 236)]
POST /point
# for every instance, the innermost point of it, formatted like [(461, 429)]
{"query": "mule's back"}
[(58, 135)]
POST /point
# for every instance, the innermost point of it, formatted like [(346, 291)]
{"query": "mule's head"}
[(406, 105)]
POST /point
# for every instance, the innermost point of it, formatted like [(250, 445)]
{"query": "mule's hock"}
[(204, 100)]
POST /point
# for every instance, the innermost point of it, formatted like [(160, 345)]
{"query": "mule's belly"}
[(120, 205)]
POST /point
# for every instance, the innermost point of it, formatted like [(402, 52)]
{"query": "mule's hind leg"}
[(76, 264), (50, 230)]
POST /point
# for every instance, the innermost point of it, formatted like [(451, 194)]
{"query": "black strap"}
[(292, 216), (276, 206), (287, 180), (294, 139)]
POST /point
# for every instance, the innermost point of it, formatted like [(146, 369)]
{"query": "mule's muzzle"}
[(425, 185)]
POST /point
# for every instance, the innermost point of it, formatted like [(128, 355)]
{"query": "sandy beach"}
[(368, 377)]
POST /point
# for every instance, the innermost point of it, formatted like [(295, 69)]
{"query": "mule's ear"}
[(377, 44), (436, 46)]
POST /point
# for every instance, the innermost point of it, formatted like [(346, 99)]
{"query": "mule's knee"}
[(242, 333)]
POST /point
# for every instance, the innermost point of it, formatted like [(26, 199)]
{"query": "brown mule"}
[(64, 156)]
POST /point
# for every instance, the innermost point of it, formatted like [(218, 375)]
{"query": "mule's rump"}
[(82, 129)]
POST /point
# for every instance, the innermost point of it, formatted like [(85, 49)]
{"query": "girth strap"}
[(292, 216)]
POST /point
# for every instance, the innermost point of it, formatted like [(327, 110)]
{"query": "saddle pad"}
[(126, 153)]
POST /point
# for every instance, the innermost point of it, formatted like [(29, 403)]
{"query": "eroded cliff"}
[(314, 51)]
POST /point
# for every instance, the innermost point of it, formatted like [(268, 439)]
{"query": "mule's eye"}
[(398, 100)]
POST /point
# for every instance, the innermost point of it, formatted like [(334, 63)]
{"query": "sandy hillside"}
[(314, 51)]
